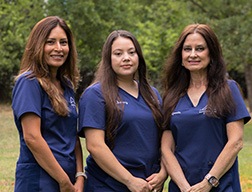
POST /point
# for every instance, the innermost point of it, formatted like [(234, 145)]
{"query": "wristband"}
[(81, 174)]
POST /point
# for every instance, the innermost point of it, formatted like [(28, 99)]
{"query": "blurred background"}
[(155, 23)]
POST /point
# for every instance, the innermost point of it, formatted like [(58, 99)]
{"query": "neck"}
[(198, 82)]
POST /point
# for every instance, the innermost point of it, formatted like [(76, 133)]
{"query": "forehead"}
[(122, 43), (195, 39), (58, 31)]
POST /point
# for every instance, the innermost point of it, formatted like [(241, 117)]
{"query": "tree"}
[(232, 25)]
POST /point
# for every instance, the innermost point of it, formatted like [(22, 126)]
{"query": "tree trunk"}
[(248, 78)]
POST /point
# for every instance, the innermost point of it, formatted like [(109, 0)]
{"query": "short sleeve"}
[(241, 109), (91, 109), (158, 95), (26, 96)]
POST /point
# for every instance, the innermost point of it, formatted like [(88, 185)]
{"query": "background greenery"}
[(156, 24), (9, 151)]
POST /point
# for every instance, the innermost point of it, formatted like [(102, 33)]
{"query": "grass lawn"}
[(9, 149)]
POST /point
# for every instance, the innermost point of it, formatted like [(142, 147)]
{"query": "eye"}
[(200, 49), (132, 53), (50, 42), (187, 49), (117, 53), (64, 42)]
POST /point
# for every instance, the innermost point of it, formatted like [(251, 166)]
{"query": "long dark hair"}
[(108, 80), (176, 78), (33, 60)]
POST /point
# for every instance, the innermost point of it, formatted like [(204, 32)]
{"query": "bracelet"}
[(81, 174)]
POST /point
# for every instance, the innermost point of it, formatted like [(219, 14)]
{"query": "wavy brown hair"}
[(108, 80), (33, 61), (176, 78)]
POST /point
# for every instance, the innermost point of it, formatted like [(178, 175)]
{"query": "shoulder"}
[(154, 89), (233, 85), (26, 81), (93, 90)]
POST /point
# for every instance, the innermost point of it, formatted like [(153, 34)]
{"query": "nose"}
[(193, 53), (126, 57), (58, 46)]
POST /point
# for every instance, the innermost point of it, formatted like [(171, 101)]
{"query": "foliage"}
[(155, 23), (16, 18)]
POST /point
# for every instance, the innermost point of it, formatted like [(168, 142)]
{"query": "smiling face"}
[(56, 48), (124, 58), (195, 53)]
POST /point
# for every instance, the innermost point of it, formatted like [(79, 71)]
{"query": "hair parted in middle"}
[(33, 60), (108, 80), (176, 78)]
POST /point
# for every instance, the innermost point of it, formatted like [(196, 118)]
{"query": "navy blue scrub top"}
[(59, 133), (200, 139), (136, 144)]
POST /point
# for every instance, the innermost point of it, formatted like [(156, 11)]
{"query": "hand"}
[(139, 185), (67, 187), (202, 186), (156, 180), (79, 184)]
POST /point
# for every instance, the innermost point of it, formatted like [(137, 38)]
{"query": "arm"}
[(41, 151), (171, 164), (228, 155), (157, 180), (107, 161), (79, 165)]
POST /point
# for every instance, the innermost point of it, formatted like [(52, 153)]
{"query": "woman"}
[(204, 116), (45, 111), (121, 119)]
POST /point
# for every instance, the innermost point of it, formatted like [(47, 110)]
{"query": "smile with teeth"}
[(57, 56), (194, 62)]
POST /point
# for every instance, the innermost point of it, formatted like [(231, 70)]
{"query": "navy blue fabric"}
[(136, 144), (59, 133), (200, 139)]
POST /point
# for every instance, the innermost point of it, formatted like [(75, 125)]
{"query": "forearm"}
[(79, 155), (174, 169), (46, 159), (229, 153), (163, 171), (170, 161), (225, 160), (108, 162)]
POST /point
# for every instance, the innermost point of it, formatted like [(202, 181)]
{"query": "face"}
[(56, 48), (195, 53), (124, 58)]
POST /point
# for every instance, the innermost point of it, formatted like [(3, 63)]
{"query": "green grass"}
[(9, 149)]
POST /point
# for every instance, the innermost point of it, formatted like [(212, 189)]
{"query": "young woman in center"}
[(121, 120)]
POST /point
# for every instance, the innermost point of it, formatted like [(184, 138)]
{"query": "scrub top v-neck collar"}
[(199, 102), (137, 98)]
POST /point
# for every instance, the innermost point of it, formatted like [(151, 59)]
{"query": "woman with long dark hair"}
[(120, 116)]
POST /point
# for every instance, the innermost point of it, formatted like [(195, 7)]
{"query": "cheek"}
[(66, 50)]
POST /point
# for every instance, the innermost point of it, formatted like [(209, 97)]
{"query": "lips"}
[(194, 62), (57, 56)]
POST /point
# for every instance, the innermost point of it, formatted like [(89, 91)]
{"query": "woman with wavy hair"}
[(45, 113), (204, 116)]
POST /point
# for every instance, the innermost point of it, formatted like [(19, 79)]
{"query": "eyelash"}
[(52, 42), (120, 53), (199, 49)]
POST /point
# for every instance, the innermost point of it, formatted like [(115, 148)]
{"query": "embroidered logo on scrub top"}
[(72, 102), (122, 102), (203, 110), (176, 113)]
